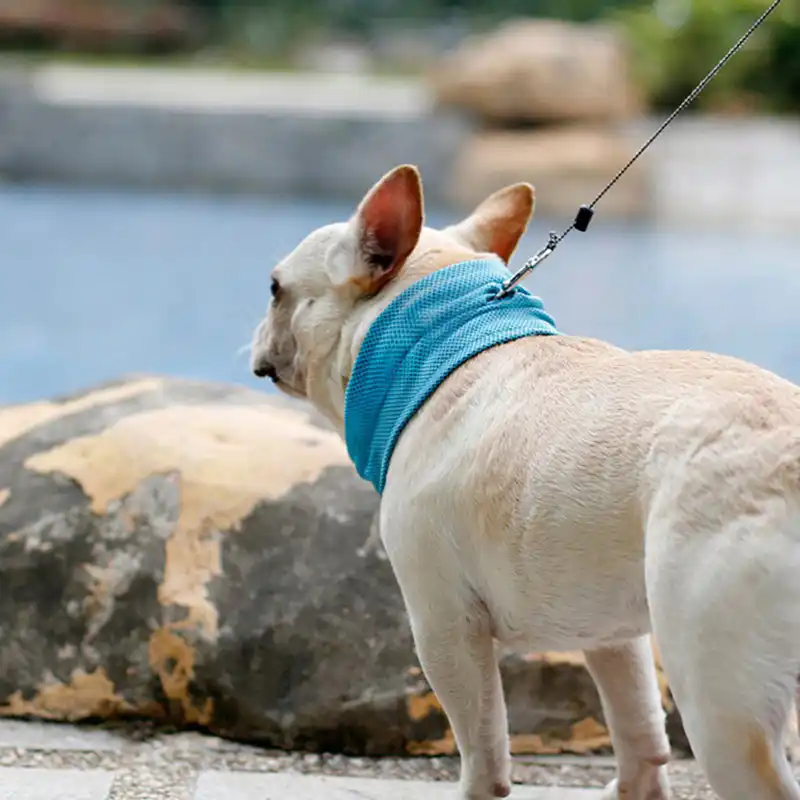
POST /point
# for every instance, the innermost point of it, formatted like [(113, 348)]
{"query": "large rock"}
[(98, 24), (203, 555), (568, 165), (539, 71)]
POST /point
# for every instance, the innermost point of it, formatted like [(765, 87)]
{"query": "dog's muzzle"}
[(264, 369)]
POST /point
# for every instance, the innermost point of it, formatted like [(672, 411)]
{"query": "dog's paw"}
[(655, 787), (497, 790)]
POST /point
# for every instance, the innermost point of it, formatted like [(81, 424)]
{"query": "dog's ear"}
[(499, 222), (383, 232)]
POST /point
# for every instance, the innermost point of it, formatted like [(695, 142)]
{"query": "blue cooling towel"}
[(424, 334)]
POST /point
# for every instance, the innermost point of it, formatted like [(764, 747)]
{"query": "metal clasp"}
[(529, 265)]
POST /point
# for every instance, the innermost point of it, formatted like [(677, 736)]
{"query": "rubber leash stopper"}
[(583, 218)]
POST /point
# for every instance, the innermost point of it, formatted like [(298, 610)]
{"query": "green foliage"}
[(357, 15), (676, 42), (252, 29), (673, 42)]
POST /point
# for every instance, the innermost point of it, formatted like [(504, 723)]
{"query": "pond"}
[(96, 284)]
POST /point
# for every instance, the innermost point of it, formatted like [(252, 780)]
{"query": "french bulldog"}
[(559, 493)]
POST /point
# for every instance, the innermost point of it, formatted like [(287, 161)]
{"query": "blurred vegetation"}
[(676, 42), (254, 23), (673, 42)]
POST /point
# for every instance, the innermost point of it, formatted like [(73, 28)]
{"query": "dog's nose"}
[(265, 370)]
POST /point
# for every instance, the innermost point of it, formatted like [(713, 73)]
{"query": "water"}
[(99, 284)]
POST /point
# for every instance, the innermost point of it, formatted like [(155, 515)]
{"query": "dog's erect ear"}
[(499, 222), (385, 229)]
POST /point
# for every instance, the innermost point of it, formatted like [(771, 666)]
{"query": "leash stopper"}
[(583, 218)]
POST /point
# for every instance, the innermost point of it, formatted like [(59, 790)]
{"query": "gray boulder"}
[(205, 556)]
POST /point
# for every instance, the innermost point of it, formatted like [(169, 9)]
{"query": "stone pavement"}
[(53, 762), (40, 761)]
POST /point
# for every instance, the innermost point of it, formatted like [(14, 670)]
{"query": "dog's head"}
[(326, 292)]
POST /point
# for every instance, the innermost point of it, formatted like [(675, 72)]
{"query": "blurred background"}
[(157, 157)]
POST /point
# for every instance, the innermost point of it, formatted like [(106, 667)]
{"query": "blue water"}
[(98, 284)]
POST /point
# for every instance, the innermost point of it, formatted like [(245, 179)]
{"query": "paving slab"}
[(47, 784), (138, 762), (252, 786), (49, 736)]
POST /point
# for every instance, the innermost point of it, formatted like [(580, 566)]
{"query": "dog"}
[(556, 492)]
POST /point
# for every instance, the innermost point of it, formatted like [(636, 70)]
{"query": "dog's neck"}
[(435, 326), (329, 375)]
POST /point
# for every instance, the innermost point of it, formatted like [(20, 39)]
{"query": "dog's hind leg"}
[(725, 604), (626, 680)]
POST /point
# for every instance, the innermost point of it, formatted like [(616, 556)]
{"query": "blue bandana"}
[(424, 334)]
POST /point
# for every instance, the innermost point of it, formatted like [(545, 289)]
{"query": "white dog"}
[(558, 493)]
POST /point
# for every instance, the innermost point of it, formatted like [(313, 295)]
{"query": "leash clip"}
[(528, 266)]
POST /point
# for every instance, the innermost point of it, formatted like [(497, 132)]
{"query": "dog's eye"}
[(275, 288)]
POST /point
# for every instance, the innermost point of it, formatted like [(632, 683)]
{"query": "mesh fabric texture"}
[(424, 334)]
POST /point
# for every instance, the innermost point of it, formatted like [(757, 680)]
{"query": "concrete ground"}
[(53, 762)]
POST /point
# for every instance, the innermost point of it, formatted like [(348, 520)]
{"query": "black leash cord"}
[(585, 213)]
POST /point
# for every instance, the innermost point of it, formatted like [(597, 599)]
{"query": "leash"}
[(585, 213)]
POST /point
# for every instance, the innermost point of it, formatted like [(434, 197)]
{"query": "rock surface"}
[(96, 24), (539, 71), (201, 555), (568, 165)]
